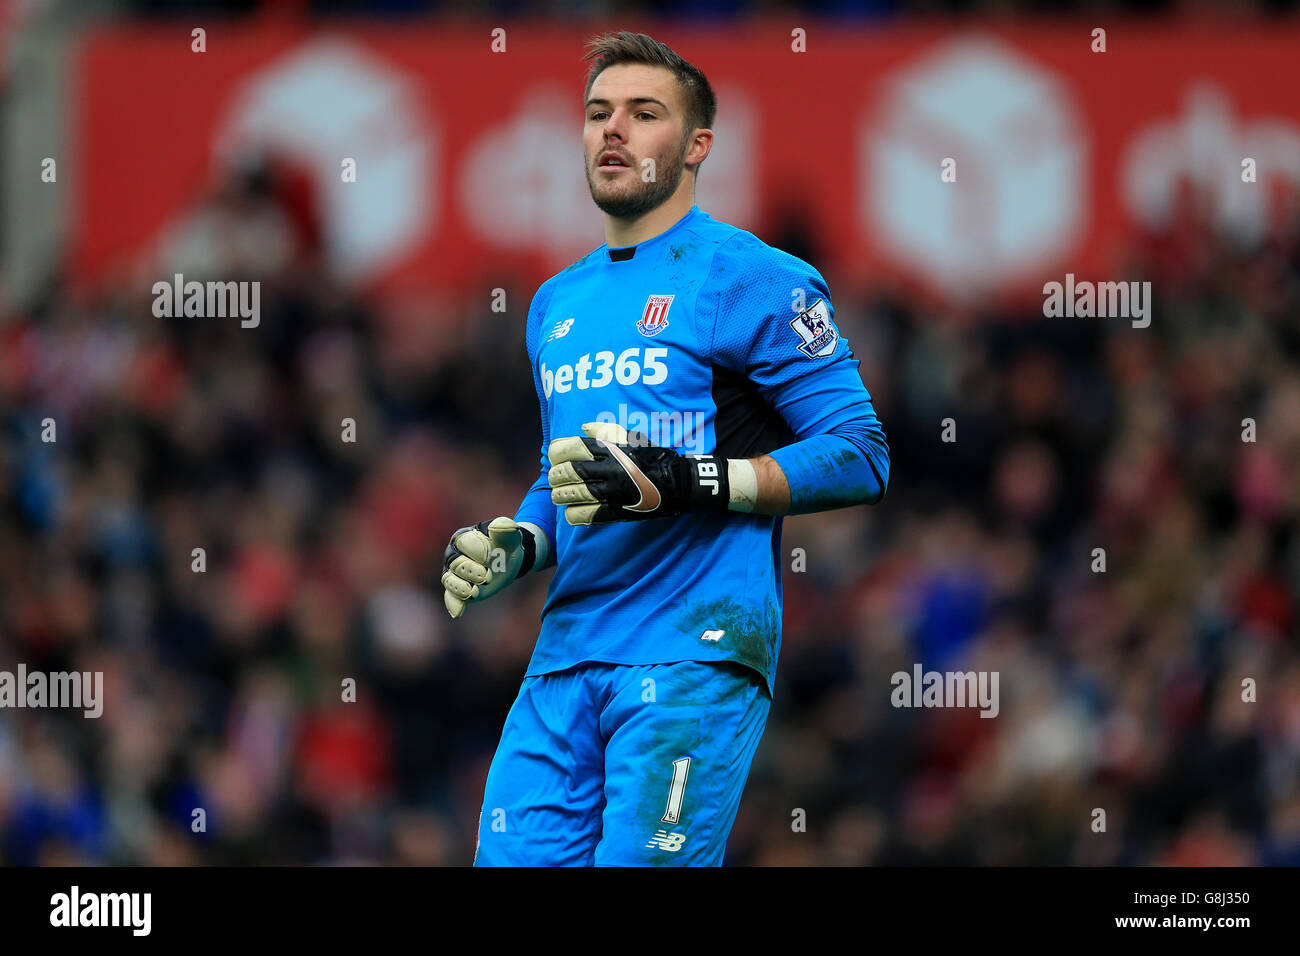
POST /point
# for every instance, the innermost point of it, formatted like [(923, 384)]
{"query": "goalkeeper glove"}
[(468, 566), (616, 475)]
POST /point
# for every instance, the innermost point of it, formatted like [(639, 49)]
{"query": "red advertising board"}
[(468, 159)]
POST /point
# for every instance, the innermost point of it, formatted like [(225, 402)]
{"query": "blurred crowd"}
[(226, 738)]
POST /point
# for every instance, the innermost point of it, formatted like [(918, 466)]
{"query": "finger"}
[(455, 606), (563, 474), (572, 494), (616, 434), (607, 431), (454, 584), (505, 534), (578, 515), (474, 544), (469, 570), (569, 449)]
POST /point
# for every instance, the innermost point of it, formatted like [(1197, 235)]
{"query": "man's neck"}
[(633, 232)]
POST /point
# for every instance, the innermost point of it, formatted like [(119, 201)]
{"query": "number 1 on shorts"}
[(677, 792)]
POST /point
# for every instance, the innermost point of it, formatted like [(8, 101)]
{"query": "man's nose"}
[(614, 125)]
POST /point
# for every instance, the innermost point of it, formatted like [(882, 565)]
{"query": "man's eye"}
[(644, 113), (597, 116)]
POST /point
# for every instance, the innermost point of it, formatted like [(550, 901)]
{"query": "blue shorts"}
[(622, 765)]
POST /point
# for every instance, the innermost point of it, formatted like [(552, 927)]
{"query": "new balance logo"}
[(672, 842), (561, 330), (712, 635)]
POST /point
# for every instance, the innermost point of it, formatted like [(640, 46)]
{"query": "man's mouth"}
[(611, 162)]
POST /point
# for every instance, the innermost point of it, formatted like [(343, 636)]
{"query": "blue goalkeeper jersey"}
[(708, 341)]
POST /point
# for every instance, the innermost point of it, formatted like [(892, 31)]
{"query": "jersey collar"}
[(623, 253)]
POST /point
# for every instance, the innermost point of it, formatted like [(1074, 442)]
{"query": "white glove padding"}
[(471, 569)]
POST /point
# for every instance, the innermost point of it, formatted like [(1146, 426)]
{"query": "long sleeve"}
[(537, 507), (774, 323)]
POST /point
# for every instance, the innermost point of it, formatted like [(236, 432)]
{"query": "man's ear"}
[(701, 143)]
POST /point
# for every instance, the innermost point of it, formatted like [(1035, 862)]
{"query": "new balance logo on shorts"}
[(666, 841)]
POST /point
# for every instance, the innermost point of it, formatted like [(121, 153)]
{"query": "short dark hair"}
[(611, 49)]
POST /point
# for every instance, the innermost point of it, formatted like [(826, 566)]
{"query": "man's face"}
[(634, 113)]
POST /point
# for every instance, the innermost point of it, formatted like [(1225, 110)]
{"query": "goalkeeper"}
[(650, 684)]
